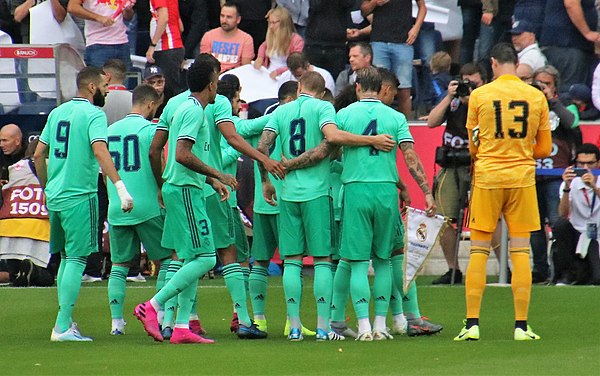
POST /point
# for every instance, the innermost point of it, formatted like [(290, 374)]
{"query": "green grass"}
[(565, 317)]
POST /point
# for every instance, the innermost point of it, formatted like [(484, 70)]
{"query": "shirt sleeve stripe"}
[(325, 123), (223, 120), (98, 140), (43, 141), (186, 138)]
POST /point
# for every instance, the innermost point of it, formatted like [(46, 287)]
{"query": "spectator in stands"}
[(24, 233), (325, 41), (154, 77), (299, 11), (105, 31), (194, 15), (230, 45), (565, 140), (440, 78), (143, 15), (453, 180), (531, 11), (298, 64), (581, 97), (281, 41), (20, 11), (13, 148), (575, 250), (360, 56), (529, 53), (254, 19), (8, 23), (568, 38), (525, 73), (118, 100), (392, 36), (166, 48)]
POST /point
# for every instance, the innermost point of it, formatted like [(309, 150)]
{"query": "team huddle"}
[(326, 186)]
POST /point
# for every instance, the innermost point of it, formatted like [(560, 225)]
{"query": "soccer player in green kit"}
[(74, 141), (128, 142), (305, 201), (187, 227)]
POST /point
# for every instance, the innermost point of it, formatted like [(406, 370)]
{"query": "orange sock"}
[(521, 281), (475, 280)]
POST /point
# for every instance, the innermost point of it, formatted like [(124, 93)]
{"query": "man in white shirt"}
[(576, 254), (298, 64), (528, 51)]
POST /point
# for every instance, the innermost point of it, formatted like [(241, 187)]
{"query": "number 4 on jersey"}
[(371, 130)]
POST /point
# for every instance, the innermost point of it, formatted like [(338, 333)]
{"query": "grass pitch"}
[(565, 317)]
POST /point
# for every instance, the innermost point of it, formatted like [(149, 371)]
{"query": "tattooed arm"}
[(418, 173), (264, 144), (309, 158)]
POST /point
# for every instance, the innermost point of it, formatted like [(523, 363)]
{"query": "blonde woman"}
[(281, 41)]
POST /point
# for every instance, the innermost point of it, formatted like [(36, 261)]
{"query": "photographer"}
[(565, 140), (453, 180), (575, 249)]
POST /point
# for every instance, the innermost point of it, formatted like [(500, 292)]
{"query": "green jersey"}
[(299, 125), (336, 167), (166, 118), (251, 130), (73, 170), (230, 157), (216, 113), (189, 123), (364, 163), (129, 142)]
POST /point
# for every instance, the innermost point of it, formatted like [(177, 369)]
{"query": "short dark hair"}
[(345, 97), (365, 48), (504, 53), (144, 93), (369, 79), (231, 79), (233, 4), (297, 60), (200, 76), (226, 89), (288, 89), (388, 77), (117, 67), (588, 148), (472, 68), (313, 81), (89, 74), (206, 58)]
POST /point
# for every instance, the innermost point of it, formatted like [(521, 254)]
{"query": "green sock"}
[(194, 309), (171, 304), (188, 274), (258, 282), (410, 301), (396, 301), (382, 285), (292, 286), (246, 273), (116, 290), (359, 287), (186, 299), (234, 280), (322, 288), (69, 287), (60, 272), (162, 274), (341, 291)]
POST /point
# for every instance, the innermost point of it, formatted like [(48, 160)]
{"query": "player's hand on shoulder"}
[(383, 142), (276, 168), (228, 180), (269, 193)]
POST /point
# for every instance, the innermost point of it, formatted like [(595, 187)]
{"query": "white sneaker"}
[(71, 335), (118, 327), (400, 325), (137, 278), (365, 337), (380, 335), (89, 278)]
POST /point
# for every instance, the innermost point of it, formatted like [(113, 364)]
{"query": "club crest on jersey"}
[(421, 232)]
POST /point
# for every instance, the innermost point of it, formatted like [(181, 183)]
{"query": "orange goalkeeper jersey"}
[(509, 114)]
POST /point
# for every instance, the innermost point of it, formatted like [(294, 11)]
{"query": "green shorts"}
[(266, 235), (368, 220), (241, 239), (74, 231), (447, 189), (399, 236), (219, 212), (187, 227), (125, 241), (305, 227)]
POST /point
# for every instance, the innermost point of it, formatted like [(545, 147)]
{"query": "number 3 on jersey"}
[(522, 119), (297, 137), (130, 153)]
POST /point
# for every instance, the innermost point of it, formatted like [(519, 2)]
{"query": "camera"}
[(464, 88)]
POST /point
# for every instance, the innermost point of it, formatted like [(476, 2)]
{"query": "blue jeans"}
[(97, 54), (471, 24), (548, 199), (397, 57)]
